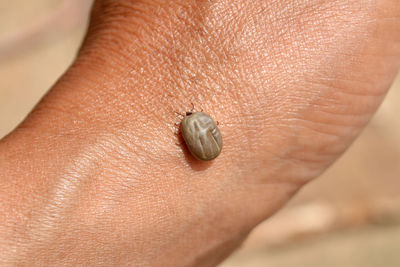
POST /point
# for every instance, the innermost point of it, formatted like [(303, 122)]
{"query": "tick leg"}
[(179, 113), (179, 144), (193, 108), (180, 138)]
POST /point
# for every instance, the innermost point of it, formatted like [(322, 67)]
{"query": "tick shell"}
[(201, 135)]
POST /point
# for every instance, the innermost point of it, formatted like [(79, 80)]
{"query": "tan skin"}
[(93, 176)]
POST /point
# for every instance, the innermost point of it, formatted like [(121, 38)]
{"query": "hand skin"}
[(93, 176)]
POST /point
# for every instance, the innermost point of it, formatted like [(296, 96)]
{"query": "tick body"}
[(201, 135)]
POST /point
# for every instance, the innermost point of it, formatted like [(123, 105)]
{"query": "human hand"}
[(93, 175)]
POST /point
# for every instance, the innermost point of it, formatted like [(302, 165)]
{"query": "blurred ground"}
[(348, 217)]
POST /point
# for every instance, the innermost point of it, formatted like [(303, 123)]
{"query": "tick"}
[(201, 135)]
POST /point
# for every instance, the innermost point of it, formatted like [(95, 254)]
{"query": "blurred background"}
[(350, 216)]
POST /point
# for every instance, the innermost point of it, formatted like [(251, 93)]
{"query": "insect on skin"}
[(201, 135)]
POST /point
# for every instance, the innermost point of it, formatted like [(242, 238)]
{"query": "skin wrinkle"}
[(172, 53), (279, 101), (64, 195), (58, 197)]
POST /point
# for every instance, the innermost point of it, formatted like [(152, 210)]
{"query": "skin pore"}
[(93, 175)]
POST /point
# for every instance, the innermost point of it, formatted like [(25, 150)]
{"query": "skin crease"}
[(93, 175)]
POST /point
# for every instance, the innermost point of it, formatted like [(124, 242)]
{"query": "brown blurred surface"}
[(350, 216), (38, 40), (367, 247)]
